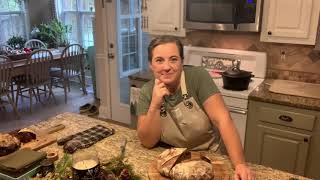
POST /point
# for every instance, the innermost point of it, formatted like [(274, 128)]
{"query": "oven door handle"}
[(234, 110)]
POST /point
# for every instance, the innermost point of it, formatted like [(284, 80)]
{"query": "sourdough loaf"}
[(8, 144)]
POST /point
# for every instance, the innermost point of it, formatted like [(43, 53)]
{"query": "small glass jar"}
[(85, 165)]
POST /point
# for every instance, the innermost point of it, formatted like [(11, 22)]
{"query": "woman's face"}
[(166, 63)]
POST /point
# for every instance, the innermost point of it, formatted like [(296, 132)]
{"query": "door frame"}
[(108, 64)]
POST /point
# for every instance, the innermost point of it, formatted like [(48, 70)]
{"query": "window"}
[(129, 36), (12, 19), (79, 14)]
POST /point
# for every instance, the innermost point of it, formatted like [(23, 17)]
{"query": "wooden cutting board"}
[(295, 88), (219, 170), (43, 139)]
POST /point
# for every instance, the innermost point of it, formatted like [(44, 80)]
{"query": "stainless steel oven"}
[(228, 15)]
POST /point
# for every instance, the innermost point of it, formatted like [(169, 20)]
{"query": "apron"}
[(186, 125)]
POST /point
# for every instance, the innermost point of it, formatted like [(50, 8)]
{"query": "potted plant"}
[(54, 33), (16, 42)]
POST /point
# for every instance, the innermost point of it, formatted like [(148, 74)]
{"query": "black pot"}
[(236, 79)]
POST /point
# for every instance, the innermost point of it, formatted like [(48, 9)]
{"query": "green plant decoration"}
[(54, 33), (16, 42)]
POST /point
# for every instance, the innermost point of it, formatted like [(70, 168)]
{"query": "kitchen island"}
[(136, 154)]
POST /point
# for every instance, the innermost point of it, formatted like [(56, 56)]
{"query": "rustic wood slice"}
[(219, 170)]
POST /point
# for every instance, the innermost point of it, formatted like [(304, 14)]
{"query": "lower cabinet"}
[(283, 138)]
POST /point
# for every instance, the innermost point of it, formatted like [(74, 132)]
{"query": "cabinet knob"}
[(306, 140), (176, 29), (269, 33)]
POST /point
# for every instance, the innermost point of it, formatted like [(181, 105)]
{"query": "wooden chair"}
[(37, 74), (71, 65), (35, 44), (5, 47), (6, 67)]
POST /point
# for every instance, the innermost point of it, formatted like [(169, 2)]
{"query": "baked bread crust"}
[(180, 164), (8, 144), (167, 159), (192, 170)]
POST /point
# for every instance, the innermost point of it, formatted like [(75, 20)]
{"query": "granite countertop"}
[(262, 93), (136, 154)]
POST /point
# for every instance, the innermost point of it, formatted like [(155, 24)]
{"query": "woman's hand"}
[(243, 172), (159, 91)]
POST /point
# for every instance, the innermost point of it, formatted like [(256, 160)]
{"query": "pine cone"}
[(124, 175)]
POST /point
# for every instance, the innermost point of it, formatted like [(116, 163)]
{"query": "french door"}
[(122, 48)]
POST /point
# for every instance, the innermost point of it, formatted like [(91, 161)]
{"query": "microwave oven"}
[(225, 15)]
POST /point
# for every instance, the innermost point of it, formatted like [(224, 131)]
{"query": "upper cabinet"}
[(163, 17), (290, 21)]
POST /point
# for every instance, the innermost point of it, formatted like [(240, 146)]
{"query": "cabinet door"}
[(281, 149), (290, 21), (165, 17)]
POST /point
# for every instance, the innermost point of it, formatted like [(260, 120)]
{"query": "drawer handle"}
[(285, 118)]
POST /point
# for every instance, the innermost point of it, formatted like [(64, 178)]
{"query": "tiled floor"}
[(9, 122)]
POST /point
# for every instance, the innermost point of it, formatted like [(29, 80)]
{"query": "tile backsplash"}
[(285, 61)]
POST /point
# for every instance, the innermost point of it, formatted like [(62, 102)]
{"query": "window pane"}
[(71, 19), (136, 6), (80, 20), (124, 26), (124, 7), (9, 5), (11, 25), (125, 63), (133, 44), (86, 5), (69, 5), (125, 44), (87, 30), (134, 61)]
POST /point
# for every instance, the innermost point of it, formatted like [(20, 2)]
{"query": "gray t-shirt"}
[(199, 84)]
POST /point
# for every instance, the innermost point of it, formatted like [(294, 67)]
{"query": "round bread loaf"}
[(167, 159), (26, 135), (8, 144), (192, 170)]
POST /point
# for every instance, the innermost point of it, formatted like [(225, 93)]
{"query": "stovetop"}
[(255, 82)]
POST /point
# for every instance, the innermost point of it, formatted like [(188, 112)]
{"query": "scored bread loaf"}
[(8, 144), (180, 164), (167, 159), (192, 170)]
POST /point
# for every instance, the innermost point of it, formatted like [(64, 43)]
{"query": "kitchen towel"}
[(21, 160), (85, 138)]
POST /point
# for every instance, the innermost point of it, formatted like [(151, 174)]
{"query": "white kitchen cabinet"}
[(163, 17), (290, 21)]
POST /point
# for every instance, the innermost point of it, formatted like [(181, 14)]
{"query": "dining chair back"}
[(72, 59), (6, 67), (38, 65), (5, 74), (5, 48), (71, 65), (36, 75), (35, 44)]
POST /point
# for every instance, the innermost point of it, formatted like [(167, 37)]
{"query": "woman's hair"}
[(164, 40)]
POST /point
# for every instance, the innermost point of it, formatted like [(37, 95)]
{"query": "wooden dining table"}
[(19, 66)]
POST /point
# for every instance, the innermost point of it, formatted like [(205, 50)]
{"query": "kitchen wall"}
[(285, 61)]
